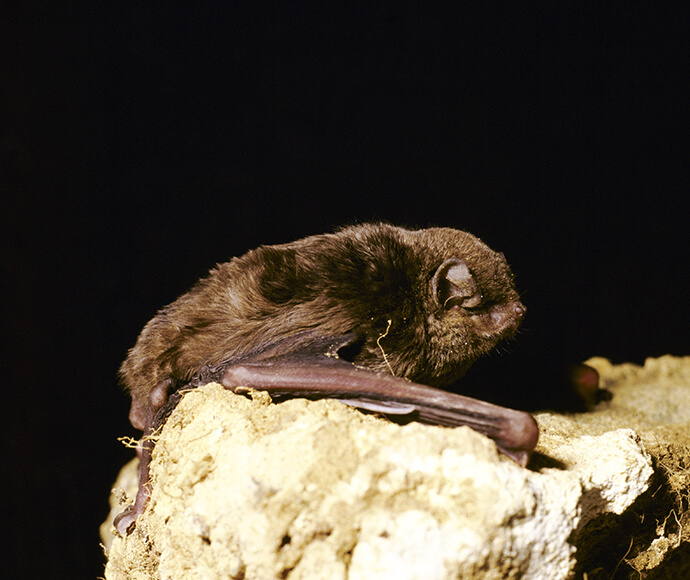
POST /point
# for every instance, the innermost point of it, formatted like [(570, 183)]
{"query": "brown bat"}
[(374, 315)]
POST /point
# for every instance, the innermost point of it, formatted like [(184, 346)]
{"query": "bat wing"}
[(314, 370)]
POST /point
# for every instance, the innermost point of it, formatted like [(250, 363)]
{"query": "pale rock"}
[(243, 488)]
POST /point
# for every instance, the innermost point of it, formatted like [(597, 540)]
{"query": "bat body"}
[(374, 315)]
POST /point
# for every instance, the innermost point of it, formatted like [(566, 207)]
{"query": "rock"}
[(243, 488)]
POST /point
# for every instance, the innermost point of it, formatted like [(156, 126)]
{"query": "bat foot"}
[(124, 522)]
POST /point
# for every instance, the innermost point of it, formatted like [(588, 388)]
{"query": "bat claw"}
[(124, 522), (519, 456)]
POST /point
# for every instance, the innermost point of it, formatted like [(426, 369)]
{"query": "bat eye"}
[(454, 286)]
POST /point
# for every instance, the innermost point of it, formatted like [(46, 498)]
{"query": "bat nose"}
[(519, 310)]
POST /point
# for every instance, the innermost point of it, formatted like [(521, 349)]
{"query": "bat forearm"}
[(514, 432)]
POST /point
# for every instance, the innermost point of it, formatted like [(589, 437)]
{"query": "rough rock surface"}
[(243, 488)]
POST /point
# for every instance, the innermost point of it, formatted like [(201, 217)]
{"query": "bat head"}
[(429, 302)]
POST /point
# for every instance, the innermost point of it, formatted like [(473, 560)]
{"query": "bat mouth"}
[(501, 321)]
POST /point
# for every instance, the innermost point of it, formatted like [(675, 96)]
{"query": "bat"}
[(377, 316)]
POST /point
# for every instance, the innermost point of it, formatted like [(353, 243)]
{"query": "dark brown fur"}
[(356, 279)]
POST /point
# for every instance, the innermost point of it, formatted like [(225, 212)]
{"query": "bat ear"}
[(453, 285)]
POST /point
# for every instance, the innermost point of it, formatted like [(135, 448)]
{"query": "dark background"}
[(140, 143)]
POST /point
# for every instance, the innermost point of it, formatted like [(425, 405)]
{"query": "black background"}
[(142, 142)]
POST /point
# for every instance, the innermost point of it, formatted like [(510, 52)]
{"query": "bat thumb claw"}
[(519, 456)]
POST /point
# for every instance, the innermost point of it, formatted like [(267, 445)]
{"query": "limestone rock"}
[(243, 488)]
